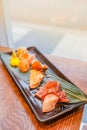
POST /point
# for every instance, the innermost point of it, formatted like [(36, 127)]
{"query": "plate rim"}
[(25, 96)]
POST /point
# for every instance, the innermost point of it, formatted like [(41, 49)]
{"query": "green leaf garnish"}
[(74, 94)]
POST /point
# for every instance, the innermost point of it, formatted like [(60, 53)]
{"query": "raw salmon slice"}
[(52, 87)]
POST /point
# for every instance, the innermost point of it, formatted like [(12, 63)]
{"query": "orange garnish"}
[(38, 66)]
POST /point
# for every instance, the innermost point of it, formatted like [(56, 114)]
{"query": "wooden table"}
[(15, 114)]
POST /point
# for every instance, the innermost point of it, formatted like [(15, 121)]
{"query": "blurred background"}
[(57, 27), (64, 13)]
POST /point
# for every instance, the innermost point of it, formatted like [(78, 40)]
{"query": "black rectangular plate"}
[(35, 103)]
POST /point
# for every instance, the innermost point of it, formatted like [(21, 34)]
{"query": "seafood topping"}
[(52, 87), (24, 65), (36, 74), (62, 96), (21, 51), (38, 66), (21, 59), (25, 62), (50, 94)]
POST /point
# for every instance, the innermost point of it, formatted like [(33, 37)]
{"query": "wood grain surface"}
[(15, 113)]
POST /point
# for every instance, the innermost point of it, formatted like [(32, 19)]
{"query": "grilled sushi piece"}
[(51, 87), (24, 63), (49, 102), (36, 78), (50, 94)]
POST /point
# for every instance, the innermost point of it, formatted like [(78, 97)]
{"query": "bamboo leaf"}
[(74, 94)]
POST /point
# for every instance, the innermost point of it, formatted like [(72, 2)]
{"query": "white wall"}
[(67, 13), (5, 26)]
